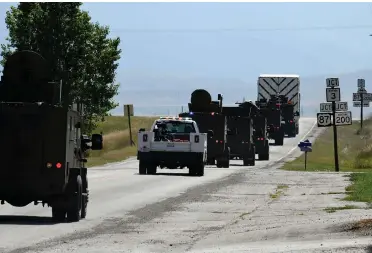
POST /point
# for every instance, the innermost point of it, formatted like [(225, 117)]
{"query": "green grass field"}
[(355, 155), (116, 139)]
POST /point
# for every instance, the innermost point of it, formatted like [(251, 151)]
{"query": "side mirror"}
[(296, 114), (78, 125), (97, 142), (219, 96), (210, 133), (142, 130)]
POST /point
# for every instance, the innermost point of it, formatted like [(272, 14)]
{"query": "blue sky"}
[(237, 54)]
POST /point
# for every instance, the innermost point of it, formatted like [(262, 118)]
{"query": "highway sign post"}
[(305, 146), (362, 97), (335, 113), (128, 111)]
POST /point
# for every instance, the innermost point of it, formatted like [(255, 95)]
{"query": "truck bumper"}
[(172, 158)]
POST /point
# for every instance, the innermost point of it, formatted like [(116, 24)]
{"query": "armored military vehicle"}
[(272, 110), (42, 145), (208, 115)]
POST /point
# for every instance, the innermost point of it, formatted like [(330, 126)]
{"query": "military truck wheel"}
[(263, 157), (151, 169), (85, 200), (211, 161), (58, 214), (74, 212), (142, 168), (226, 163), (84, 205), (219, 163), (201, 169)]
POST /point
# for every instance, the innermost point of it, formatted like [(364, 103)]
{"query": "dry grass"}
[(116, 139), (355, 155), (354, 149)]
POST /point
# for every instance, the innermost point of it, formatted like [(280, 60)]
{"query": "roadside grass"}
[(334, 209), (355, 155), (116, 139)]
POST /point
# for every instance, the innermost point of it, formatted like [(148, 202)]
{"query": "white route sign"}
[(366, 96), (343, 118), (327, 107), (357, 104), (361, 83), (333, 94), (324, 119), (332, 82)]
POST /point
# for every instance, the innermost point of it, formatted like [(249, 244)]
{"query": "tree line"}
[(78, 50)]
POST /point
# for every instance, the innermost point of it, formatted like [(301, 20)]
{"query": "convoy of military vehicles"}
[(43, 142), (211, 133)]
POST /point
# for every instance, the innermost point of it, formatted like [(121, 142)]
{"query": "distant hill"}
[(166, 94)]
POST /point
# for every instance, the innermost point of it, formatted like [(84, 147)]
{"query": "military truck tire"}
[(197, 169), (226, 164), (74, 213), (263, 157), (85, 200), (58, 214), (211, 161), (151, 169), (201, 170), (219, 163), (142, 168)]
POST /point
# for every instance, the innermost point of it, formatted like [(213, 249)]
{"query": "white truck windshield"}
[(174, 126)]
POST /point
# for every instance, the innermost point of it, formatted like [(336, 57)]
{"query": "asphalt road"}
[(172, 211)]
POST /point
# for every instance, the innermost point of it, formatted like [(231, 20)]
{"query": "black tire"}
[(226, 163), (85, 197), (74, 213), (201, 170), (263, 157), (219, 164), (58, 214), (142, 168), (297, 130), (151, 169), (84, 207)]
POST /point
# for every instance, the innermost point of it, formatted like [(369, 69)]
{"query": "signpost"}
[(128, 111), (305, 146), (335, 113), (361, 98)]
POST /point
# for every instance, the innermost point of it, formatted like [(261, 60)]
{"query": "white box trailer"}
[(281, 84)]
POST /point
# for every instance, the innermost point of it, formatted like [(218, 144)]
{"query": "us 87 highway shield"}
[(324, 119)]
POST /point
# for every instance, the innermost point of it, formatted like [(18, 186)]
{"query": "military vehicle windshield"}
[(174, 126)]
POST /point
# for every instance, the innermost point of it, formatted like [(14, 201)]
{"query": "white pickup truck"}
[(172, 142)]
